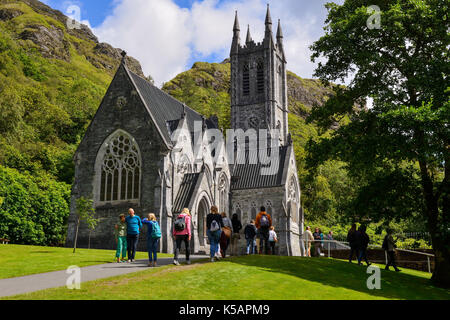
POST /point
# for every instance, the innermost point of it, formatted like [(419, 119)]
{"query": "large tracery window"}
[(120, 169)]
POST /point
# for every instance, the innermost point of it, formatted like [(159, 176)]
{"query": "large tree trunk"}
[(437, 228), (441, 274)]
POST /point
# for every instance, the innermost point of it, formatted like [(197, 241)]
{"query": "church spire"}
[(236, 27), (249, 37), (236, 36), (268, 33), (279, 32)]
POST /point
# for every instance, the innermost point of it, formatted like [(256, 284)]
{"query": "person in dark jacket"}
[(237, 226), (250, 235), (389, 246), (363, 243), (352, 239), (214, 231)]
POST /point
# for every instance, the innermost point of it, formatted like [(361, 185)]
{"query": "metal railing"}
[(343, 245)]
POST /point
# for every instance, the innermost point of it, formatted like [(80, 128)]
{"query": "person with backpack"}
[(273, 239), (237, 226), (250, 235), (214, 225), (182, 233), (225, 236), (352, 239), (389, 246), (134, 226), (263, 223), (363, 243), (153, 238)]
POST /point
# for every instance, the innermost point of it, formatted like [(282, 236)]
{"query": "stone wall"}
[(131, 116)]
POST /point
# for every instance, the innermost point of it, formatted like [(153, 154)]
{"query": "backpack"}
[(264, 221), (180, 223), (156, 230), (214, 226)]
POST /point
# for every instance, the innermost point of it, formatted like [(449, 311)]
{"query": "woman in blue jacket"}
[(153, 237)]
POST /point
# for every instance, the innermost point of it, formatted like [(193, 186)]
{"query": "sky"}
[(168, 36)]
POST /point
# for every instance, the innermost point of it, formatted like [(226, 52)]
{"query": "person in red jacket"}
[(263, 223)]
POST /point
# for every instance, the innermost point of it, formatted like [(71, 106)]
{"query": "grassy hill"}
[(253, 278)]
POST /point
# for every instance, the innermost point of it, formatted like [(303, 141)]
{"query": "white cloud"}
[(165, 37)]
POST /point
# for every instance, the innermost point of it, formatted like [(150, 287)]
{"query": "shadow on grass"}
[(32, 252), (342, 274)]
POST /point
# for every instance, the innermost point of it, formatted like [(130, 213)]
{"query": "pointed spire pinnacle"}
[(124, 57), (236, 23), (268, 17), (280, 31), (249, 37)]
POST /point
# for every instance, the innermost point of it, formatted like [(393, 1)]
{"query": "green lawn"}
[(254, 278), (17, 260)]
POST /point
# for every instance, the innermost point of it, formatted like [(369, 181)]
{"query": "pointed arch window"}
[(246, 80), (260, 77), (119, 163)]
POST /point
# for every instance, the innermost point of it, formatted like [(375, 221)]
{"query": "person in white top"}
[(272, 239)]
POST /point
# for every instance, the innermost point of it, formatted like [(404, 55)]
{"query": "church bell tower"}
[(259, 82)]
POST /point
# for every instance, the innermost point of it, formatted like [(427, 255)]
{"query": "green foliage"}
[(397, 150), (34, 210), (85, 212)]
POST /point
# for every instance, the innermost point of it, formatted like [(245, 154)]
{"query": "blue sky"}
[(168, 36)]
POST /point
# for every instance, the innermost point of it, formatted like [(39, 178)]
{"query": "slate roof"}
[(164, 108), (248, 175), (186, 191)]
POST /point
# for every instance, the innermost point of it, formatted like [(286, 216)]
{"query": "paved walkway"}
[(36, 282)]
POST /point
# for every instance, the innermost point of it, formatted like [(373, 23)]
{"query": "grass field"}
[(254, 278), (17, 260)]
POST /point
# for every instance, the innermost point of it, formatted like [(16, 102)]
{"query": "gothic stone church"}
[(130, 156)]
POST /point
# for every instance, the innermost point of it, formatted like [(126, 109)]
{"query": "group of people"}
[(221, 231), (318, 239), (127, 232), (358, 240)]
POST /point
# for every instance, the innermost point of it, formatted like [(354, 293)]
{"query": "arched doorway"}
[(202, 212)]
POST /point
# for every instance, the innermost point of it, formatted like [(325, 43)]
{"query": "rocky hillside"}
[(206, 88)]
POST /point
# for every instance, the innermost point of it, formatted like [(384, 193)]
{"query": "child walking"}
[(121, 238), (272, 239), (153, 237)]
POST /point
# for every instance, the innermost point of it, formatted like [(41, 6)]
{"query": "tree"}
[(399, 148), (84, 212)]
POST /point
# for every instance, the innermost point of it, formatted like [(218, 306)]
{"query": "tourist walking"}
[(214, 225), (250, 235), (182, 233), (134, 226), (263, 223), (309, 238), (352, 239), (121, 238), (363, 242), (237, 226), (389, 246), (153, 238), (225, 236), (317, 242), (273, 239), (321, 239)]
